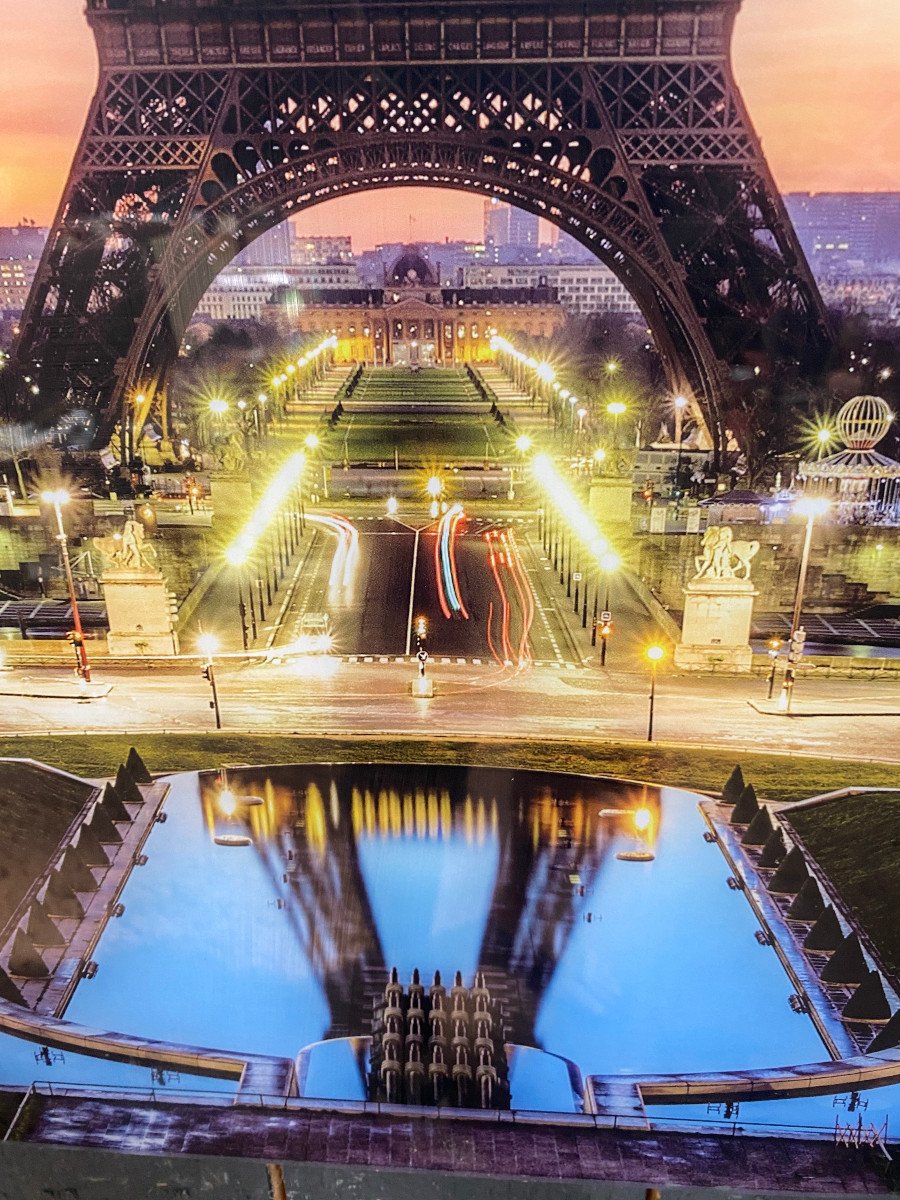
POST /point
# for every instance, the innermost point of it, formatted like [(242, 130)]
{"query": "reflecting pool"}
[(275, 902)]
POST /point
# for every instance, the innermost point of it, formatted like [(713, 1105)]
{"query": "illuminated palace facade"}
[(413, 319)]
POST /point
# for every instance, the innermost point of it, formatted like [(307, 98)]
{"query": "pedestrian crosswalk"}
[(445, 660)]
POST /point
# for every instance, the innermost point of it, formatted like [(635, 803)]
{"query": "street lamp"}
[(58, 498), (809, 507), (615, 408), (208, 645), (680, 405), (654, 655), (774, 645), (609, 562)]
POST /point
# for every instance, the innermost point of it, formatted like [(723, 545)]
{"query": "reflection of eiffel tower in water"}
[(551, 844)]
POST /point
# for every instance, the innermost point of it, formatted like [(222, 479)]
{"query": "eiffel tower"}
[(617, 120)]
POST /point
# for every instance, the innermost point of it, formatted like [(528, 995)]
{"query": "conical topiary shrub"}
[(746, 808), (101, 823), (808, 904), (826, 934), (8, 990), (60, 900), (127, 789), (759, 830), (41, 929), (791, 875), (89, 849), (731, 792), (868, 1002), (74, 871), (136, 767), (774, 851), (888, 1037), (847, 964), (24, 959), (112, 804)]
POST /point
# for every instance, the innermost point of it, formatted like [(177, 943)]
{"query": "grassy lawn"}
[(775, 778), (856, 841)]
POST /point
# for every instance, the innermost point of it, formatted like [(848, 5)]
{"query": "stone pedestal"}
[(140, 617), (715, 631)]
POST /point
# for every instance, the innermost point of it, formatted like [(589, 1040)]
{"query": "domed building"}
[(415, 319)]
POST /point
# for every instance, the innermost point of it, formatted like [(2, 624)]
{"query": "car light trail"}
[(343, 566), (449, 594), (526, 598), (267, 510), (567, 503)]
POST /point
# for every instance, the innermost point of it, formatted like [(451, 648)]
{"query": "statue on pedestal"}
[(723, 557), (129, 550)]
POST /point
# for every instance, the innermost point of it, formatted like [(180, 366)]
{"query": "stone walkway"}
[(490, 1146)]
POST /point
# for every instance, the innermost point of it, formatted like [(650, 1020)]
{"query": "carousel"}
[(863, 485)]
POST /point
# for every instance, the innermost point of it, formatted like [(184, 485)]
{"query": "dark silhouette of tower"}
[(617, 120)]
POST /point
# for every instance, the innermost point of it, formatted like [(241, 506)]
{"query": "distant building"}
[(412, 318), (496, 227), (242, 293), (319, 251), (580, 289), (878, 296), (847, 231), (21, 247), (270, 249), (524, 228)]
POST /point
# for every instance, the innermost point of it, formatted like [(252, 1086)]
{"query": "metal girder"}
[(619, 122)]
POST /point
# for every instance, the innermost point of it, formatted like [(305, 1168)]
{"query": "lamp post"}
[(609, 563), (615, 408), (680, 406), (58, 499), (523, 445), (809, 507), (774, 645), (208, 645), (654, 655)]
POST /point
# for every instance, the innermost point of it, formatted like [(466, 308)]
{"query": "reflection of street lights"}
[(57, 499), (615, 408), (392, 505), (207, 646), (809, 507), (655, 654)]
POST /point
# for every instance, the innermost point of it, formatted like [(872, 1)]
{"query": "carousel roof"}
[(852, 464)]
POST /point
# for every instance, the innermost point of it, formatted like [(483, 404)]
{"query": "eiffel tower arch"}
[(617, 120)]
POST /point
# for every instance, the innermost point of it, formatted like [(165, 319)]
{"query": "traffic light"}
[(206, 672), (606, 629), (74, 638), (795, 652), (421, 628)]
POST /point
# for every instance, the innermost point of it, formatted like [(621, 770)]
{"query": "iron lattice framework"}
[(618, 120)]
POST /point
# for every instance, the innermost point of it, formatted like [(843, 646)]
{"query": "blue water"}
[(261, 948)]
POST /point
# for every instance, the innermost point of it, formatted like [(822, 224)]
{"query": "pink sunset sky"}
[(821, 79)]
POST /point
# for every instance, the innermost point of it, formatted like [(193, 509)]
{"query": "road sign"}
[(605, 617)]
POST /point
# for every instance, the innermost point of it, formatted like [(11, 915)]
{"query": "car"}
[(315, 635)]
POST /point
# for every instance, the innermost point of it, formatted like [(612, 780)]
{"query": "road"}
[(331, 696)]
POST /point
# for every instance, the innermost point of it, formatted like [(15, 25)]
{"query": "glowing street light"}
[(609, 562), (58, 498), (218, 407), (615, 408), (611, 367), (207, 644), (523, 443), (545, 372), (654, 655), (809, 507), (599, 455), (434, 487), (311, 441)]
